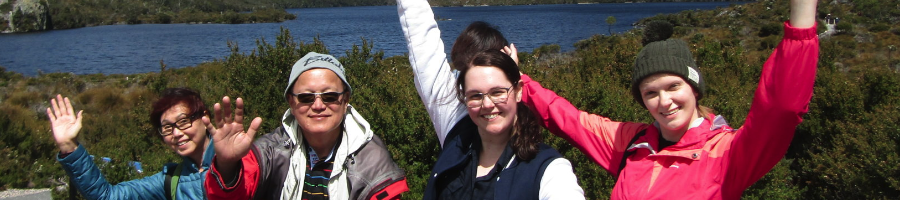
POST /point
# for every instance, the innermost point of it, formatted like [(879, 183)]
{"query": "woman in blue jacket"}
[(176, 117)]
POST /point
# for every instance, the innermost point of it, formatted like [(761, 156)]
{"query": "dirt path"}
[(25, 194)]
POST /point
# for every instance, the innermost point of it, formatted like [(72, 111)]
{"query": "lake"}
[(129, 49)]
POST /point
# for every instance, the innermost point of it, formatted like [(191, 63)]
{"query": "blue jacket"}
[(92, 185)]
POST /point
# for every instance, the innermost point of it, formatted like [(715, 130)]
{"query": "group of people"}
[(488, 118)]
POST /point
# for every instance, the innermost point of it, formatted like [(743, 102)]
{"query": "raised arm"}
[(781, 99), (433, 77), (600, 138), (78, 164), (89, 180), (65, 123), (232, 145)]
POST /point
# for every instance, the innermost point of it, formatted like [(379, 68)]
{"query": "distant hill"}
[(37, 15)]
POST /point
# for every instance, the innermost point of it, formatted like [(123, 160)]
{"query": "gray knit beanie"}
[(665, 56)]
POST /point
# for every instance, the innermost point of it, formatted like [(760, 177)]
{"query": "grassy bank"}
[(847, 146)]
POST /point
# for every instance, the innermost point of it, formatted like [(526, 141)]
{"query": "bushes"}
[(879, 27), (770, 29), (844, 27), (845, 148), (75, 14)]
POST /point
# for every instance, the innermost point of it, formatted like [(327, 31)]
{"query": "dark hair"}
[(479, 36), (526, 131), (174, 96)]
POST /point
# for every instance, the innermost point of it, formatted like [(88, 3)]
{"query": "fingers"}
[(239, 111), (512, 52), (55, 106), (78, 119), (62, 105), (226, 109), (51, 116), (254, 126), (209, 127), (68, 105), (217, 109)]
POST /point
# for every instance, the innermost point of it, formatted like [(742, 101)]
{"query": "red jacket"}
[(712, 160)]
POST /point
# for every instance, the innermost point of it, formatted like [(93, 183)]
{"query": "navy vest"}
[(521, 180)]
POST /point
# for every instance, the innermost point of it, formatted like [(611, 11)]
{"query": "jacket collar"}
[(691, 144), (356, 134), (357, 130), (208, 154)]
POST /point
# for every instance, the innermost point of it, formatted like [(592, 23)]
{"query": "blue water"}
[(128, 49)]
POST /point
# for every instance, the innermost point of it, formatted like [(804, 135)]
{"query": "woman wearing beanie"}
[(688, 152), (491, 143)]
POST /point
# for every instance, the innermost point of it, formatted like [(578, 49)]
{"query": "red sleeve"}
[(243, 188), (781, 99), (392, 191), (600, 138)]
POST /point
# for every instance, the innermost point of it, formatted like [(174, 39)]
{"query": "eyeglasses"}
[(327, 97), (497, 95), (181, 124)]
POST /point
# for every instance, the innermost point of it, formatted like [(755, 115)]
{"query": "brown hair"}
[(526, 133), (477, 37), (705, 112)]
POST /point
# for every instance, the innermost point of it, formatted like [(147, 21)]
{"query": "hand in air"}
[(512, 52), (65, 124), (232, 142)]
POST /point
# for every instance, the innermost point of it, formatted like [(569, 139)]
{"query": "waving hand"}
[(65, 123), (232, 142)]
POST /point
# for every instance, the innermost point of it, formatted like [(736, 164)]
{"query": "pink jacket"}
[(712, 160)]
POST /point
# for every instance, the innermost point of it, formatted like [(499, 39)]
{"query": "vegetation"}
[(535, 2), (609, 22), (847, 146), (74, 14)]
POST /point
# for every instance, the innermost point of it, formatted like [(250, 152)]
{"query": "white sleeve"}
[(434, 80), (559, 181)]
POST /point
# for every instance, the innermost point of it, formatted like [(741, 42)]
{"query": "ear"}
[(519, 88)]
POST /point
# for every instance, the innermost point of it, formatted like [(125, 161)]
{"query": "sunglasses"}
[(327, 97)]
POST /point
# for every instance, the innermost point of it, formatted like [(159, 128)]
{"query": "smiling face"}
[(491, 118), (319, 120), (189, 142), (671, 101)]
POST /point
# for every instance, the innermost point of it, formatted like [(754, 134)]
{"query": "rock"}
[(24, 16), (864, 38)]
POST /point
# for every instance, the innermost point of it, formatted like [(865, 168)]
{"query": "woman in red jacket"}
[(688, 152)]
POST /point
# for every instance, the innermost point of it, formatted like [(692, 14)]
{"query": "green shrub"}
[(546, 50), (879, 27), (770, 29), (844, 27)]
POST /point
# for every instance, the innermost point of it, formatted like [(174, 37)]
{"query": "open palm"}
[(231, 141), (64, 122)]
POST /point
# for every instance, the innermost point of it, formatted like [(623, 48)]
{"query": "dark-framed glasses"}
[(327, 97), (181, 124), (497, 96)]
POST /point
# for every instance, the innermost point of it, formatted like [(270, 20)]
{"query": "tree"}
[(610, 21)]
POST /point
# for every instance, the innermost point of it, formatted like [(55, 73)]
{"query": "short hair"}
[(174, 96)]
